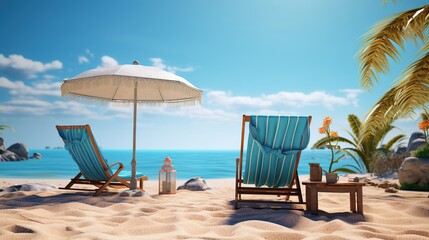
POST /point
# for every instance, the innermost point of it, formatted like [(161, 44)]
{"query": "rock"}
[(135, 193), (391, 190), (401, 150), (369, 182), (30, 187), (16, 152), (416, 139), (414, 171), (20, 149), (2, 149), (415, 144), (384, 184), (10, 156), (195, 184), (37, 155), (387, 185)]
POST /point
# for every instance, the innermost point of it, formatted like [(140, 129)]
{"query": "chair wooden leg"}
[(298, 186), (73, 181), (106, 184)]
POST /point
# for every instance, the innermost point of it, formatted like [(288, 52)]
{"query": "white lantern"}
[(167, 178)]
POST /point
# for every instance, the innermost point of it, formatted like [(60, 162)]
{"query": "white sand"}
[(62, 214)]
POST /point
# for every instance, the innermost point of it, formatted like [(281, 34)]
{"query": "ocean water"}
[(58, 164)]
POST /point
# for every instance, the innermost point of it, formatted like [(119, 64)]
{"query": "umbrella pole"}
[(133, 183)]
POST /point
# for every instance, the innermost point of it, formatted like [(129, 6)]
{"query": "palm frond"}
[(402, 99), (345, 140), (384, 112), (359, 161), (3, 127), (357, 157), (380, 134), (379, 43), (321, 142), (424, 116), (414, 84), (345, 169), (354, 123), (355, 138), (394, 141)]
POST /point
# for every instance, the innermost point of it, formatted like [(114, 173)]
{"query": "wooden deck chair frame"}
[(241, 189), (114, 180)]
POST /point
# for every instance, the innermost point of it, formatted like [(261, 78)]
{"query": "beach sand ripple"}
[(64, 214)]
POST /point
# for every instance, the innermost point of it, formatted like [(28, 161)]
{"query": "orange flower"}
[(327, 121), (424, 125), (333, 134), (322, 129)]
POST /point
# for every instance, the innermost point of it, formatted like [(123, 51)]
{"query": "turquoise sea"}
[(210, 164)]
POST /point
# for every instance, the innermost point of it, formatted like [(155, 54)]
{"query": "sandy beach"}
[(61, 214)]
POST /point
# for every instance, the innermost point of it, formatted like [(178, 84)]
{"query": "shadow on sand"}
[(287, 215)]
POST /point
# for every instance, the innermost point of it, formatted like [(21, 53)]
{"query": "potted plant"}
[(331, 175)]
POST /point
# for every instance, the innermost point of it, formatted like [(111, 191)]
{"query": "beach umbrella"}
[(132, 83)]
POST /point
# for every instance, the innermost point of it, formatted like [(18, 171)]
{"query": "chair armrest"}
[(121, 166)]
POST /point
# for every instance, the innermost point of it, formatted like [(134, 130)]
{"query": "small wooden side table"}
[(313, 188)]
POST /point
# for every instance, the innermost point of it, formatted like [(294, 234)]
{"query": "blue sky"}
[(249, 57)]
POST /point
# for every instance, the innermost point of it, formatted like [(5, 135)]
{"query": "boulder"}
[(391, 190), (401, 150), (386, 185), (37, 155), (414, 171), (135, 193), (7, 156), (20, 149), (2, 149), (30, 187), (416, 140), (195, 184)]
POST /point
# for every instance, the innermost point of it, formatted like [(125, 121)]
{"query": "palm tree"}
[(410, 93), (363, 148)]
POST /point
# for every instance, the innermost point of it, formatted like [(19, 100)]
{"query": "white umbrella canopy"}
[(117, 84), (132, 83)]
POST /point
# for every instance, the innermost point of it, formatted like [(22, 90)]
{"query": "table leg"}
[(307, 197), (359, 200), (353, 201), (314, 201)]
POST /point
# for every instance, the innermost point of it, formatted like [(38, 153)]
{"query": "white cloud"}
[(17, 64), (89, 53), (26, 105), (158, 62), (196, 112), (107, 61), (226, 99), (37, 107), (83, 59), (30, 102), (19, 88), (5, 83), (293, 99), (352, 95), (49, 77)]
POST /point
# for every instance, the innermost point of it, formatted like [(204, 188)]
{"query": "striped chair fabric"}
[(83, 152), (272, 148), (78, 143)]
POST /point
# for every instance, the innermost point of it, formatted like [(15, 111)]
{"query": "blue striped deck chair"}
[(94, 168), (273, 151)]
